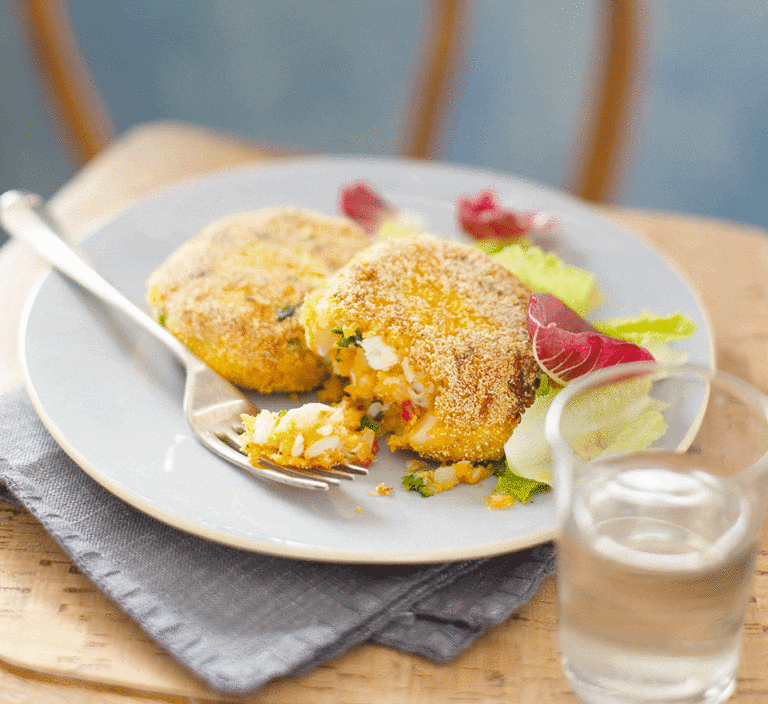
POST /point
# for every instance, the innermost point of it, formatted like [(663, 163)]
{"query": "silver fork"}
[(211, 404)]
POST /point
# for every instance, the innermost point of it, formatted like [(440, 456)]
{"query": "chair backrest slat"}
[(78, 111), (438, 66), (611, 107)]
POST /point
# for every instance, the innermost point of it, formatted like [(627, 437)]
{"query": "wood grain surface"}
[(64, 641)]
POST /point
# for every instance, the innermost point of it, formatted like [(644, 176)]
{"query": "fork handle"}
[(24, 216)]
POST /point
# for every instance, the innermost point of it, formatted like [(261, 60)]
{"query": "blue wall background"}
[(331, 77)]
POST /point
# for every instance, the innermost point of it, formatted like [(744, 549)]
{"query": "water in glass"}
[(655, 563)]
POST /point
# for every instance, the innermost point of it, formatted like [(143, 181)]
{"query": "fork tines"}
[(332, 475), (315, 474)]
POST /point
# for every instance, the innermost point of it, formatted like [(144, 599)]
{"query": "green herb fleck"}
[(161, 317), (287, 312), (346, 341), (411, 482), (367, 422)]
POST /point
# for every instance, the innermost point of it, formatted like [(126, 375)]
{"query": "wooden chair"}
[(83, 120)]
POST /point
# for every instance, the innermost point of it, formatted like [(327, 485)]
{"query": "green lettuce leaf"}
[(401, 226), (527, 449), (491, 246), (620, 419), (545, 272), (519, 488), (635, 328), (653, 332)]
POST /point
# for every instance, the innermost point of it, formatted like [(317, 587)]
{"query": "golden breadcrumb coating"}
[(313, 435), (231, 293), (433, 334)]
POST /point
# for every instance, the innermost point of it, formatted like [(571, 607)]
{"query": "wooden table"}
[(63, 641)]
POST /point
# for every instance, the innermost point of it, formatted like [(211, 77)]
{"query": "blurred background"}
[(333, 77)]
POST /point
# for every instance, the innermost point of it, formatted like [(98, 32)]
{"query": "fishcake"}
[(231, 293), (433, 335)]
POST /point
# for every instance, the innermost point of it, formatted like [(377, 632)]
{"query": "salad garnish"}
[(359, 202), (519, 489), (566, 346), (546, 272), (636, 420), (481, 216), (652, 332)]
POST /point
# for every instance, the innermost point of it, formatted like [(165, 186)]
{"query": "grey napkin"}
[(237, 619)]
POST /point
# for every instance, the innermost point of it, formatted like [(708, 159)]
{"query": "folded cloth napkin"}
[(237, 619)]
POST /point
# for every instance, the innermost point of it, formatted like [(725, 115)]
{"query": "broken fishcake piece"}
[(313, 435), (231, 293), (429, 482), (431, 335)]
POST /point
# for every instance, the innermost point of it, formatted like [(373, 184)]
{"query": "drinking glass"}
[(660, 481)]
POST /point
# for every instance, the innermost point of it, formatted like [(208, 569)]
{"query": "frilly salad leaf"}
[(519, 488), (482, 217), (359, 202), (653, 332), (394, 228), (545, 272), (566, 346), (527, 450), (618, 419), (635, 328), (624, 418)]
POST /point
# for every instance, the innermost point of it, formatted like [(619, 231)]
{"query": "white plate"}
[(111, 396)]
